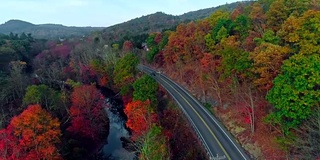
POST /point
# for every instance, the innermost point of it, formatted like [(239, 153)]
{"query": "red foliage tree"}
[(103, 81), (206, 62), (31, 135), (158, 38), (88, 116), (159, 59), (127, 46), (87, 73), (61, 51)]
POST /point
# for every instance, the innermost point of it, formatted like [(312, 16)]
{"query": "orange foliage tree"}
[(267, 60), (186, 45), (31, 135), (138, 117)]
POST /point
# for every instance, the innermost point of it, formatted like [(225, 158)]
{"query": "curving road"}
[(216, 139)]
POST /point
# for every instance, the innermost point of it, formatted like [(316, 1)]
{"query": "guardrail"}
[(205, 145), (229, 137)]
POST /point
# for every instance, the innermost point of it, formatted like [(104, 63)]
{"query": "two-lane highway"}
[(216, 139)]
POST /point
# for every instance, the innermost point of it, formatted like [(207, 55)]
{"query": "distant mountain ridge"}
[(124, 31), (47, 31), (157, 22)]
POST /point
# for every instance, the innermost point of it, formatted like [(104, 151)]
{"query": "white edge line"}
[(209, 116), (204, 110), (193, 124)]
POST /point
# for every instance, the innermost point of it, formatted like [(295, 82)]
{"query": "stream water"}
[(114, 146)]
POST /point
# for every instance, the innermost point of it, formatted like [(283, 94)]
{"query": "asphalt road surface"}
[(215, 138)]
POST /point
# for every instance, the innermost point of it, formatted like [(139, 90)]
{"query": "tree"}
[(18, 78), (222, 33), (280, 10), (242, 24), (102, 70), (87, 113), (267, 61), (315, 5), (155, 43), (247, 104), (43, 95), (151, 54), (237, 11), (216, 16), (127, 46), (295, 93), (184, 143), (31, 135), (269, 37), (277, 14), (145, 88), (124, 72), (186, 45), (235, 61), (50, 64), (288, 31), (258, 18), (309, 33), (155, 145), (138, 117), (224, 27)]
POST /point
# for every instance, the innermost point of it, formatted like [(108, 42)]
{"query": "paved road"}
[(216, 139)]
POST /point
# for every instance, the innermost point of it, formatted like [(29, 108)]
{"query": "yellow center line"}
[(225, 152)]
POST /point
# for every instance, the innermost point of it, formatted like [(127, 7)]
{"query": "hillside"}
[(202, 13), (47, 31), (150, 23), (157, 22), (132, 29)]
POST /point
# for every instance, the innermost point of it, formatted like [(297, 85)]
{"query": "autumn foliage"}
[(270, 47), (88, 115), (138, 117), (31, 135)]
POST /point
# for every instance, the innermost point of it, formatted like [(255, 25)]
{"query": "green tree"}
[(217, 32), (155, 145), (43, 95), (216, 16), (269, 37), (242, 24), (124, 72), (295, 92), (145, 88), (151, 53), (235, 61), (209, 42), (222, 33)]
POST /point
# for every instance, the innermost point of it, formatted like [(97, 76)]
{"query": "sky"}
[(95, 13)]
